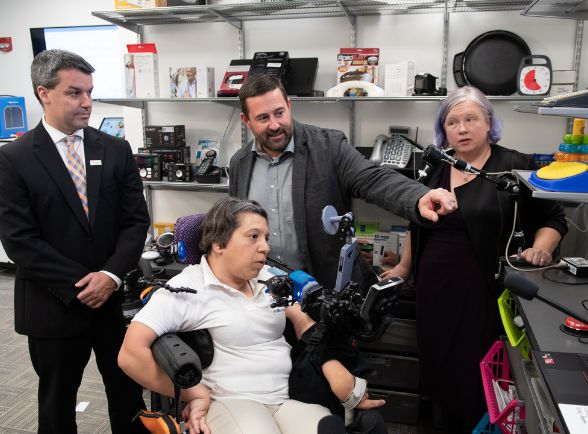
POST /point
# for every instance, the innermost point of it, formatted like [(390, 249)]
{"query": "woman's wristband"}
[(357, 393)]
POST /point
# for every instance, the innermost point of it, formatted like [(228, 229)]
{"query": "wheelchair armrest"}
[(201, 342), (178, 360)]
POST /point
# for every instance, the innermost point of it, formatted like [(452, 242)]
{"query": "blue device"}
[(574, 184), (13, 116)]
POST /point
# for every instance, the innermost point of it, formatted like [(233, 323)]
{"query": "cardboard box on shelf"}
[(138, 4), (562, 82), (162, 227), (191, 82), (364, 231), (354, 63), (386, 246), (129, 4), (141, 71), (401, 231), (205, 81), (234, 79), (183, 82)]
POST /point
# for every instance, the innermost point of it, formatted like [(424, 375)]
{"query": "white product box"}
[(563, 76), (399, 78), (204, 82), (385, 242), (141, 71), (561, 89), (401, 231)]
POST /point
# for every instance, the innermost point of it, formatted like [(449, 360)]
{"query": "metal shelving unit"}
[(565, 112), (133, 19), (149, 186), (234, 102), (570, 9), (236, 14)]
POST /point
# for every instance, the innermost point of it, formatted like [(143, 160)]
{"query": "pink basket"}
[(494, 366)]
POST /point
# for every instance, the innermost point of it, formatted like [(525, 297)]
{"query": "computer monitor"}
[(113, 126), (99, 45)]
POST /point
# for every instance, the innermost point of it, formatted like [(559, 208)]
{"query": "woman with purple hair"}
[(454, 266)]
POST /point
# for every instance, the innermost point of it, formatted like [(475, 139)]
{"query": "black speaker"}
[(180, 172)]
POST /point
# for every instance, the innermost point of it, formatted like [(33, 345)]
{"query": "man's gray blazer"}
[(328, 171)]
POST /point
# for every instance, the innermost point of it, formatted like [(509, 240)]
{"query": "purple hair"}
[(462, 94)]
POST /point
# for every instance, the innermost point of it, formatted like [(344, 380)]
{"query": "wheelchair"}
[(182, 356)]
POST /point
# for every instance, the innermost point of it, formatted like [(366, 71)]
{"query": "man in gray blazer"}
[(294, 170)]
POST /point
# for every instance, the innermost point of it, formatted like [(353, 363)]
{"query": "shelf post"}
[(577, 58), (352, 19), (352, 124), (443, 82), (149, 203)]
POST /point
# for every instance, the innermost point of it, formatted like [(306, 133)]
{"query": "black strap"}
[(316, 337)]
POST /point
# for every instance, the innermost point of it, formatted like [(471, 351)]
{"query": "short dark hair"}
[(257, 85), (220, 222), (48, 63)]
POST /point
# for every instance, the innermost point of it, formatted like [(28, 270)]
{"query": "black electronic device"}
[(425, 84), (566, 376), (180, 172), (169, 156), (344, 309), (577, 266), (207, 164), (302, 76), (212, 177), (149, 166), (173, 136), (275, 63)]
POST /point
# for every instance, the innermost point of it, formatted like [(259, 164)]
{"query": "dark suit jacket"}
[(328, 171), (488, 213), (45, 231)]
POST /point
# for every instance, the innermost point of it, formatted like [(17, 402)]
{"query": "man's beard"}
[(264, 142)]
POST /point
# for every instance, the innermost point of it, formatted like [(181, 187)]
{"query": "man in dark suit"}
[(73, 219), (294, 170)]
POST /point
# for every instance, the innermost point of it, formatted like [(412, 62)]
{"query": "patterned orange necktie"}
[(76, 171)]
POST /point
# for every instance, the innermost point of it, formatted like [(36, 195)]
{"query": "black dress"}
[(457, 317)]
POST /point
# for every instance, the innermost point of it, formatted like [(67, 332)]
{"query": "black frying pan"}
[(491, 62)]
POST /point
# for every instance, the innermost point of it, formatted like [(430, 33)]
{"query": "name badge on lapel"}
[(95, 162)]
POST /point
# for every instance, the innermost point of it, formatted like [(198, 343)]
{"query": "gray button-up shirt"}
[(271, 186)]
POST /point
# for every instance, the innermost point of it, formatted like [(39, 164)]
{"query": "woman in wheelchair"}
[(245, 389)]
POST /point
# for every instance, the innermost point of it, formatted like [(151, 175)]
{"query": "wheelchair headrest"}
[(188, 229)]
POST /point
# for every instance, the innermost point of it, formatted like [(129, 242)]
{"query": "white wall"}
[(416, 37)]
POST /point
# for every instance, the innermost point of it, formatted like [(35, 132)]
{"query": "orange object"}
[(571, 157), (158, 423), (560, 156)]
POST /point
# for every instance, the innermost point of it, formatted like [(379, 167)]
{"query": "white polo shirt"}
[(251, 356)]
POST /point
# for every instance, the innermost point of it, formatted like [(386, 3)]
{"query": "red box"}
[(234, 79), (352, 63)]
